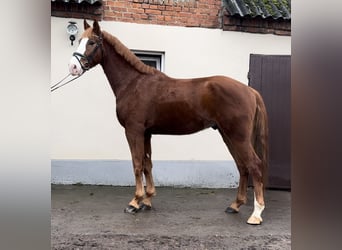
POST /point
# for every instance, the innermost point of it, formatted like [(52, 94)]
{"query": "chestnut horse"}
[(150, 102)]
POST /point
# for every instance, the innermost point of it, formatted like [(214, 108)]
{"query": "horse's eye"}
[(91, 42)]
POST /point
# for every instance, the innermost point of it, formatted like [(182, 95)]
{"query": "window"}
[(154, 59)]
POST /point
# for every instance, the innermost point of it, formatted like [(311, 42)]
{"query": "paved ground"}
[(92, 217)]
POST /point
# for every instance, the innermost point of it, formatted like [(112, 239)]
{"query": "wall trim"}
[(199, 174)]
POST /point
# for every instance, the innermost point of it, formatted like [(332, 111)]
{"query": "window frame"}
[(156, 56)]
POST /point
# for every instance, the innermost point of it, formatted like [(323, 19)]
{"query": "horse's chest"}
[(131, 108)]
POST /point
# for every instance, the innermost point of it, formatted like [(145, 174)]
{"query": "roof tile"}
[(264, 8), (78, 1)]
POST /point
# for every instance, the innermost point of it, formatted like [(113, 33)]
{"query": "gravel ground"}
[(92, 217)]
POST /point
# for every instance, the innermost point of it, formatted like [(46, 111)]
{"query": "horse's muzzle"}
[(74, 67)]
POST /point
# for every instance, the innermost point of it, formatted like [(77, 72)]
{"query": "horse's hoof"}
[(131, 210), (254, 221), (231, 210), (144, 207)]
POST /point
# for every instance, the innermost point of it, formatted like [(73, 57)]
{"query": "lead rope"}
[(57, 86)]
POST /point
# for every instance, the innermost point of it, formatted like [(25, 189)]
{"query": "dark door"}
[(271, 76)]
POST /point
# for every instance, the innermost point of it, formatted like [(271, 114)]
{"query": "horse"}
[(150, 102)]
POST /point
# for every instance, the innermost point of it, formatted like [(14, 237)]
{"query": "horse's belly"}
[(178, 120), (174, 128)]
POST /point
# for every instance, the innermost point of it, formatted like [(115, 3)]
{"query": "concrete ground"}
[(92, 217)]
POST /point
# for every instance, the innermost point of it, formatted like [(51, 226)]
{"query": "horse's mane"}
[(128, 55)]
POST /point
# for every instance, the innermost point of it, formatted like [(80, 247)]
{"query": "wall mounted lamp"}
[(72, 30)]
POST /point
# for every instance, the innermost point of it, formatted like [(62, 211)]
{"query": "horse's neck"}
[(118, 71)]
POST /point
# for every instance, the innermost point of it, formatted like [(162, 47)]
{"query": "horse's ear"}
[(85, 24), (96, 28)]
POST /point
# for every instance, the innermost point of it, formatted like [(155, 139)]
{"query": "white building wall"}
[(84, 124)]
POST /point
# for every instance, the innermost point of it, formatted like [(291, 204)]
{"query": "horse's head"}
[(90, 51)]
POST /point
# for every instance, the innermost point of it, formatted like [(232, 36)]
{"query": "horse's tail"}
[(260, 135)]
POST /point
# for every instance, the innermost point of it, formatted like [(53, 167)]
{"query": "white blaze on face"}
[(74, 65)]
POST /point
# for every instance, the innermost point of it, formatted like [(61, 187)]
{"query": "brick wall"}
[(256, 25), (188, 13)]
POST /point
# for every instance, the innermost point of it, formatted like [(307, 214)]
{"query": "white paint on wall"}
[(202, 174)]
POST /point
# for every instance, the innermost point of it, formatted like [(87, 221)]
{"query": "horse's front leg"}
[(150, 188), (136, 145)]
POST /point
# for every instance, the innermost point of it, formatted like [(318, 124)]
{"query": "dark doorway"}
[(271, 76)]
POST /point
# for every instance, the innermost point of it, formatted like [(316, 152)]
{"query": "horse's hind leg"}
[(259, 203), (150, 188), (248, 163), (241, 197), (252, 163)]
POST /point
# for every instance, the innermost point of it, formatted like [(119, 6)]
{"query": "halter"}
[(88, 58), (85, 67)]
